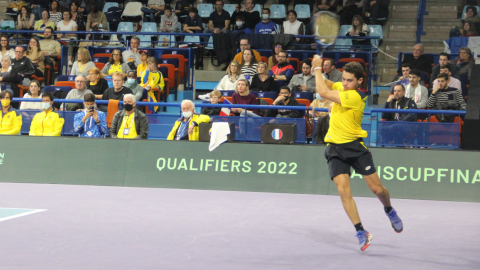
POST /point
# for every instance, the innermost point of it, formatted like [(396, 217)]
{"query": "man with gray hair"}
[(132, 55), (77, 93), (186, 127), (129, 123), (418, 60)]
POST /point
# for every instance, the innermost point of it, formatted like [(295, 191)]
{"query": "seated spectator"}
[(168, 21), (240, 27), (468, 29), (45, 22), (293, 26), (230, 80), (54, 12), (282, 72), (129, 123), (417, 92), (331, 73), (10, 120), (215, 97), (272, 60), (47, 122), (418, 60), (25, 21), (285, 99), (115, 64), (359, 28), (96, 20), (152, 80), (266, 26), (50, 47), (472, 15), (8, 77), (243, 96), (182, 8), (249, 64), (219, 20), (327, 5), (77, 17), (193, 22), (142, 68), (153, 7), (251, 17), (244, 44), (37, 7), (464, 62), (133, 85), (305, 81), (323, 124), (90, 122), (35, 54), (404, 75), (186, 128), (261, 81), (83, 64), (77, 93), (33, 92), (376, 9), (399, 101), (132, 55), (350, 9), (117, 91), (22, 65), (444, 60), (451, 82), (96, 83), (319, 102), (67, 24), (446, 98), (5, 49)]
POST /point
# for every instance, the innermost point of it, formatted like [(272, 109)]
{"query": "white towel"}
[(220, 130)]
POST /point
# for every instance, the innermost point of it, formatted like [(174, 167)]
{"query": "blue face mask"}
[(317, 96), (45, 105), (131, 81)]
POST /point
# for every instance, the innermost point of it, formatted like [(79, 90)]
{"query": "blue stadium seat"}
[(179, 26), (100, 60), (62, 78), (230, 8), (172, 61), (192, 39), (258, 8), (149, 27), (303, 11), (109, 5), (278, 12), (125, 27), (343, 43), (464, 13), (228, 93), (145, 41), (303, 95), (209, 46), (166, 41), (27, 117), (204, 10), (375, 30), (8, 23), (272, 95), (51, 88)]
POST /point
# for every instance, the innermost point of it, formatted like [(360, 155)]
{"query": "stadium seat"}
[(125, 27), (264, 59), (100, 60), (304, 101), (204, 10), (303, 95), (66, 83), (145, 41), (209, 46), (191, 39), (278, 11), (295, 62), (227, 93), (272, 95), (464, 13), (230, 8), (10, 24), (109, 5), (376, 30), (258, 8), (303, 11), (166, 41), (100, 65), (182, 67), (66, 78), (343, 43), (149, 27), (51, 89), (168, 73), (111, 111), (268, 100)]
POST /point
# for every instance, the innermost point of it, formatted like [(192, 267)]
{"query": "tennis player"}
[(345, 147)]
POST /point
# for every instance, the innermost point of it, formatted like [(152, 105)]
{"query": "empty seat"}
[(166, 41), (230, 8), (109, 5), (376, 30), (303, 95), (303, 11), (145, 41), (277, 12), (343, 43), (125, 27), (204, 10), (50, 88), (149, 27), (192, 39)]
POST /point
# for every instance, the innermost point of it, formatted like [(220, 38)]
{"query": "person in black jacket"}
[(215, 97), (261, 81), (193, 22), (418, 60), (251, 16), (22, 65), (9, 78), (285, 99), (399, 101)]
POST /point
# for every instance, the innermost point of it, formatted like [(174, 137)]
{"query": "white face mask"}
[(265, 16), (187, 114), (317, 96), (329, 114), (239, 24)]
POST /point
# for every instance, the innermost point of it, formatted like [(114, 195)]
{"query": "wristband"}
[(317, 68)]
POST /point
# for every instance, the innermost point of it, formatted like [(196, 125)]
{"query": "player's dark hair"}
[(354, 68)]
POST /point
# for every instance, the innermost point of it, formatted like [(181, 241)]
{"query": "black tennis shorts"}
[(341, 157)]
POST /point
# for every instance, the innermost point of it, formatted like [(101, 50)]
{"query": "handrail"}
[(417, 111), (422, 10)]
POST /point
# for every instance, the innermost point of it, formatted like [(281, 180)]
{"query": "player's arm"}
[(321, 85)]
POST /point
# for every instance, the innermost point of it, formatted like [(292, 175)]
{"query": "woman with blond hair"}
[(230, 80), (359, 28), (83, 64), (96, 83), (261, 81)]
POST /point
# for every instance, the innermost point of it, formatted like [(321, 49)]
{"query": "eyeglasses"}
[(18, 52), (116, 54), (80, 81), (242, 45), (463, 53)]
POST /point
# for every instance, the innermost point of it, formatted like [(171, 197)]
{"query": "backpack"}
[(114, 17)]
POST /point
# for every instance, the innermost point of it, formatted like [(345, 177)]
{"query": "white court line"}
[(31, 211)]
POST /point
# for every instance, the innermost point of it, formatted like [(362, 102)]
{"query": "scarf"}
[(415, 94), (131, 86)]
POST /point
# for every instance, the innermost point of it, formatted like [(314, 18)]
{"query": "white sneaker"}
[(205, 97)]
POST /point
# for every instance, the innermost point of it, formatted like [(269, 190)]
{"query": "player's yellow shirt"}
[(346, 118)]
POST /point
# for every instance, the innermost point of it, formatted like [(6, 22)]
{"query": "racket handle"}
[(319, 50)]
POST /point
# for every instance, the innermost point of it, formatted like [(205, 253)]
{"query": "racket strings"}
[(327, 28)]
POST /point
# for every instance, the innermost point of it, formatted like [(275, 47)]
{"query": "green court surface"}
[(9, 213)]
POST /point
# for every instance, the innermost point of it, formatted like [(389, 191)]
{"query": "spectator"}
[(141, 68), (446, 98), (117, 92), (219, 20), (359, 28), (399, 101), (186, 128), (45, 22), (129, 123), (243, 96), (230, 80), (251, 17), (350, 9), (152, 80), (304, 81), (444, 60), (244, 44), (5, 49), (418, 60), (182, 9), (96, 20), (77, 93), (47, 122), (215, 97), (261, 81), (331, 73), (249, 64), (35, 54), (272, 60), (293, 26), (8, 77), (320, 102), (54, 12), (266, 26), (115, 64), (193, 22), (404, 75), (25, 21), (67, 24), (323, 124), (376, 9), (285, 99), (22, 65), (37, 7), (83, 122), (468, 29), (153, 7), (472, 15), (96, 83), (168, 21), (329, 5), (77, 17), (282, 72), (417, 92), (451, 82), (10, 120), (83, 64), (240, 27), (133, 85), (50, 47), (464, 62), (132, 55), (33, 92)]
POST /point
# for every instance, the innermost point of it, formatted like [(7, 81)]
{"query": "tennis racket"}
[(326, 27)]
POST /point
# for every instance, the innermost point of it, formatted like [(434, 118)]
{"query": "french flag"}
[(277, 134), (225, 111)]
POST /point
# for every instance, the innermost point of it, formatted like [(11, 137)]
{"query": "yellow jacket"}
[(11, 122), (46, 124), (197, 118)]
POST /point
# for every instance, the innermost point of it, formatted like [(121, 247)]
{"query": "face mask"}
[(131, 81), (127, 107), (265, 16), (5, 103), (187, 114), (45, 105), (317, 96), (239, 24)]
